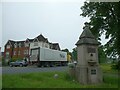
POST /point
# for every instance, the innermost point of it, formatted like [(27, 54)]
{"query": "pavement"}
[(30, 69)]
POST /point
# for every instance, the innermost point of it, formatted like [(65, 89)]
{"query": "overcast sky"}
[(59, 21)]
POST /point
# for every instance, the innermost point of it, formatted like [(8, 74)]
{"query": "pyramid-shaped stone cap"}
[(87, 37)]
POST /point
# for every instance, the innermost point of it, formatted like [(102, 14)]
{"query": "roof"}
[(55, 46), (20, 42), (30, 40), (86, 34), (42, 38), (11, 42), (87, 37)]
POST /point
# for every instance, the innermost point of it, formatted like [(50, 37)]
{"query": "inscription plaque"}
[(91, 50), (93, 71)]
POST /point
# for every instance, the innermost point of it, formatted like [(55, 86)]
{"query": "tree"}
[(69, 54), (101, 54), (105, 18), (65, 50), (74, 54)]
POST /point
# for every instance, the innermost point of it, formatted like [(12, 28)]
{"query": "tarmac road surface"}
[(30, 69)]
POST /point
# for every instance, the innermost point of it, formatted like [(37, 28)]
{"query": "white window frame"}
[(7, 53), (14, 52), (26, 44), (15, 45), (35, 43), (46, 45), (8, 46), (25, 52), (19, 44), (19, 52)]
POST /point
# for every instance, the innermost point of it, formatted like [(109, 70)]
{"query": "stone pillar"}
[(87, 69)]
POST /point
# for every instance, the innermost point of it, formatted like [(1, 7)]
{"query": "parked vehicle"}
[(20, 63), (48, 57)]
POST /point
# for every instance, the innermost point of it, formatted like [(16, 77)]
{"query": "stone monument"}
[(87, 69)]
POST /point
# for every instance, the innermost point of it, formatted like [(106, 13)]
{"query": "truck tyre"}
[(39, 64), (21, 65)]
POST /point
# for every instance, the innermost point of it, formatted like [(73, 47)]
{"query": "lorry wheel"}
[(38, 65), (21, 65)]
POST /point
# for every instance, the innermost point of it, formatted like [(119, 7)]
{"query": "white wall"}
[(40, 44)]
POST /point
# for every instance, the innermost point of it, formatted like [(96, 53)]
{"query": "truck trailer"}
[(47, 57)]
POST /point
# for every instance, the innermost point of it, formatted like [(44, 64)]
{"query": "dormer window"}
[(15, 45), (8, 46)]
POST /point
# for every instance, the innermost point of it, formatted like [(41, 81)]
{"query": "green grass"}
[(38, 80), (47, 80), (0, 81)]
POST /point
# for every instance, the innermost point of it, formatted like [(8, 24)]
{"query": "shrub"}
[(71, 65), (16, 58), (116, 65), (4, 63)]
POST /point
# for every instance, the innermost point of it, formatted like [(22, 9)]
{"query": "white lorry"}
[(47, 57)]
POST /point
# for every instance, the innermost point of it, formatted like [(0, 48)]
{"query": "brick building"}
[(21, 49)]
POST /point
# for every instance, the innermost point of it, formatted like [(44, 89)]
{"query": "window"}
[(93, 71), (26, 44), (18, 52), (42, 44), (8, 46), (19, 44), (14, 52), (25, 52), (46, 45), (15, 45), (7, 53), (35, 43)]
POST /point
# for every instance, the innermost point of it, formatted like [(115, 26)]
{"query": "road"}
[(29, 69)]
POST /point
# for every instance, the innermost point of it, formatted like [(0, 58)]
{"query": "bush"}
[(71, 65), (3, 62), (16, 58), (116, 66)]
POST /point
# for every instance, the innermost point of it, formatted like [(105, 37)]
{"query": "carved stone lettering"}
[(93, 71)]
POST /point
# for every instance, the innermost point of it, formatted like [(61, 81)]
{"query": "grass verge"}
[(47, 80)]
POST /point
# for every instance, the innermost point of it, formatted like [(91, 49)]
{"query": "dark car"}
[(20, 63)]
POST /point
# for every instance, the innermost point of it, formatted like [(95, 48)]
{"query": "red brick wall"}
[(8, 50), (21, 54), (15, 50)]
